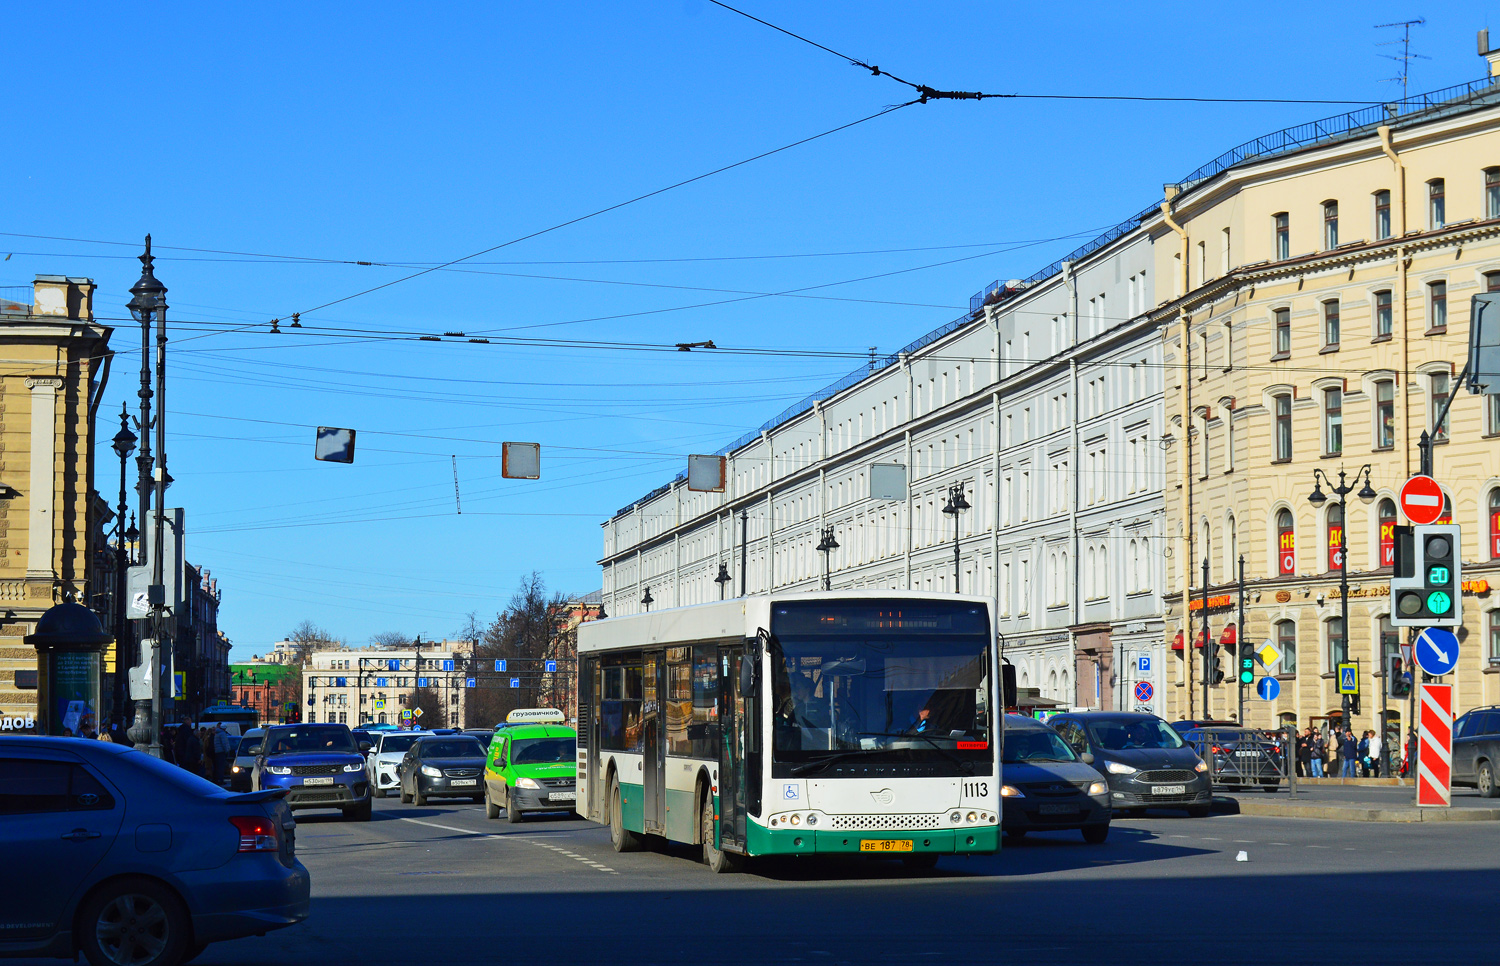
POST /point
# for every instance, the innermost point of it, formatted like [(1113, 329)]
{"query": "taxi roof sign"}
[(535, 716)]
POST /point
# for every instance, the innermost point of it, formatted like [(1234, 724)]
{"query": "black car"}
[(1141, 756), (1476, 750), (442, 766), (1047, 788), (1239, 757), (1183, 727)]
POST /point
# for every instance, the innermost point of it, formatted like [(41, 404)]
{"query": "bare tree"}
[(524, 636), (307, 637), (430, 701), (390, 640)]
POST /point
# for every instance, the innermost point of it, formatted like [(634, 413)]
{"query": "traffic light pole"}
[(1424, 442), (1207, 644), (1241, 641)]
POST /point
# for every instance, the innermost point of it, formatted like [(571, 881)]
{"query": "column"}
[(41, 536)]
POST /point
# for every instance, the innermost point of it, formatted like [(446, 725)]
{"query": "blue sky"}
[(415, 134)]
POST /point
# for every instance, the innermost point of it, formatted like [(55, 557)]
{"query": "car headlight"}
[(1099, 788), (355, 766), (527, 783), (1116, 768), (431, 772), (1200, 767), (1011, 791), (279, 769), (234, 768)]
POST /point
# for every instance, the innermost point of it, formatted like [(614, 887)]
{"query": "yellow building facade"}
[(52, 370), (1317, 319)]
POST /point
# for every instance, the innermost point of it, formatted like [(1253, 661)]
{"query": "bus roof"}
[(739, 618)]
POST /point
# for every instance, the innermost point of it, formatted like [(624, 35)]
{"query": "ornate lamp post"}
[(826, 547), (647, 600), (721, 580), (956, 505), (124, 445), (1317, 498)]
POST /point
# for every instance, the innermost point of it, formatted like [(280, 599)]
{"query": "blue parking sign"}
[(1143, 663)]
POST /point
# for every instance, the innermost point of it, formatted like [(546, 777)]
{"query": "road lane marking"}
[(491, 835), (574, 855), (453, 828)]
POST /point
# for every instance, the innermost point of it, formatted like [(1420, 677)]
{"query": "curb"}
[(1368, 813)]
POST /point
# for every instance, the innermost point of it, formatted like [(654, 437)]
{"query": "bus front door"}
[(732, 747), (653, 728)]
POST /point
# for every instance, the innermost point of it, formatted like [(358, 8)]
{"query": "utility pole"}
[(1206, 642), (1239, 643), (158, 572)]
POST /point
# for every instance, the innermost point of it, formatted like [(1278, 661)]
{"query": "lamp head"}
[(147, 294), (1366, 494), (1317, 497)]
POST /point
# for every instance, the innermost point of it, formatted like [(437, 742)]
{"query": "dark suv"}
[(319, 765), (1476, 750), (1144, 760)]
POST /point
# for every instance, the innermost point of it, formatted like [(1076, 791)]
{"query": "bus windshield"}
[(903, 682)]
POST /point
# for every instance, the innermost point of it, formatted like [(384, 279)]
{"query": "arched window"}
[(1335, 537), (1286, 640), (1132, 565), (1052, 686), (1495, 524), (1232, 548), (1386, 514), (1286, 542), (1090, 575), (1066, 694), (1101, 586)]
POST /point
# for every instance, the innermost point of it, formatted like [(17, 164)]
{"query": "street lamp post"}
[(722, 580), (1317, 498), (827, 546), (647, 600), (124, 445), (956, 505)]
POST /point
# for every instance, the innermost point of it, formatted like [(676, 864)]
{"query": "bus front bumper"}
[(979, 839)]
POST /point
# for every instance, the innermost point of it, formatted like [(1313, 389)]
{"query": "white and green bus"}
[(843, 722)]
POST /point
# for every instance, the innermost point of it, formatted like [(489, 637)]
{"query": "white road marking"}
[(492, 835)]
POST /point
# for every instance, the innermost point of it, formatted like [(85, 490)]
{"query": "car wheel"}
[(1197, 811), (405, 798), (359, 813), (622, 840), (513, 815), (417, 796), (1485, 781), (491, 810), (714, 857), (1096, 834), (135, 922), (921, 862)]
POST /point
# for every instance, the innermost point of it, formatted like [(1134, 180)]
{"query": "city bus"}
[(237, 718), (861, 722)]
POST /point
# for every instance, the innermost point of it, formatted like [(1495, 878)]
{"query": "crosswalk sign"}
[(1348, 679)]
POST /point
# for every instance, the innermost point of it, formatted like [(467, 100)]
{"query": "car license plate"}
[(1059, 808), (1246, 754), (563, 797), (460, 782), (885, 845), (318, 781), (1168, 789)]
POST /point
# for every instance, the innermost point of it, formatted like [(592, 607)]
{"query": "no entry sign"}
[(1435, 745), (1422, 500)]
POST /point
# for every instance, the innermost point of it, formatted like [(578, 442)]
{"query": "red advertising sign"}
[(1388, 544), (1422, 500), (1435, 745), (1335, 546), (1495, 534), (1286, 552)]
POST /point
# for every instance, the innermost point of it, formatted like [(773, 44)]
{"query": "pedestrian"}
[(1349, 755), (1319, 752), (104, 736), (224, 746), (1411, 753), (186, 748), (1364, 754), (210, 757), (1376, 748), (168, 744), (1304, 753)]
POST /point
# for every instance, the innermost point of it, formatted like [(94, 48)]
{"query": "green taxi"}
[(531, 766)]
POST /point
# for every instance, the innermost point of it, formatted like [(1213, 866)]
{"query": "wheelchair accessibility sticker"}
[(789, 791)]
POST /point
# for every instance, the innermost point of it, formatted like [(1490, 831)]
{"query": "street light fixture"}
[(648, 600), (721, 580), (1317, 498), (827, 546), (124, 445), (956, 505)]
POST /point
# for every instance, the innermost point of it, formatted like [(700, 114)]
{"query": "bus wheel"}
[(715, 858), (619, 837)]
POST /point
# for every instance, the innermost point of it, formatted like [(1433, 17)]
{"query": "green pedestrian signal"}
[(1426, 577), (1247, 663)]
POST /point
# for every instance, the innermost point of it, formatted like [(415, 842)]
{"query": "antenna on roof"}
[(1406, 56)]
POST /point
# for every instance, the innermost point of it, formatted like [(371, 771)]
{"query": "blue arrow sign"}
[(421, 682), (1436, 651), (468, 682), (447, 665), (1268, 688), (393, 665), (515, 682), (550, 667), (380, 682), (499, 667)]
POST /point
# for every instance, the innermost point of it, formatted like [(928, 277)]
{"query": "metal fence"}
[(1243, 758)]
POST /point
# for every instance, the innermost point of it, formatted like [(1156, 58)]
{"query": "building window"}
[(1385, 414), (1437, 210), (1286, 640), (1383, 314), (1335, 537), (1494, 654), (1382, 215), (1492, 415), (1333, 421), (1286, 543), (1283, 243), (1330, 224), (1437, 306), (1337, 652), (1439, 399), (1284, 426), (1283, 319), (1386, 514), (1331, 324), (1492, 192)]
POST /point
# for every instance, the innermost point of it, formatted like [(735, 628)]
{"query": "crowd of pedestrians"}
[(204, 751), (1341, 754)]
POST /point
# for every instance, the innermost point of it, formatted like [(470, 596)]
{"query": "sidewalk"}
[(1360, 800)]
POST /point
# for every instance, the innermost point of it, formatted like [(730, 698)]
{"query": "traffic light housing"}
[(1216, 671), (1398, 681), (1247, 663), (1427, 577)]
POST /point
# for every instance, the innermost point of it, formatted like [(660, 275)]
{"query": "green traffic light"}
[(1439, 603), (1247, 677)]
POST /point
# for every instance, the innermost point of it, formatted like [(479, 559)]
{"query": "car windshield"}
[(397, 743), (894, 681), (536, 751), (248, 747), (308, 740), (452, 748), (1122, 735), (1035, 745)]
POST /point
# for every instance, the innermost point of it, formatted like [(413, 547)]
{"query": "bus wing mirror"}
[(747, 676), (1008, 685)]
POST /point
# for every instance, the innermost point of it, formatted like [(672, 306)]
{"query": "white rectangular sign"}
[(521, 461), (705, 474)]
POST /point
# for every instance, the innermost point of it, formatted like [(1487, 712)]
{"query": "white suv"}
[(384, 756)]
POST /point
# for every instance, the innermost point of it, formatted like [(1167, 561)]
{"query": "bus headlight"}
[(794, 819), (812, 820)]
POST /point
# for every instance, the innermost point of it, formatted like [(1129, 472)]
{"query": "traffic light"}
[(1247, 663), (1216, 671), (1397, 678), (1427, 577)]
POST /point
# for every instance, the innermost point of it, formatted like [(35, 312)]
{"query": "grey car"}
[(128, 859), (1047, 786), (1143, 758), (245, 751)]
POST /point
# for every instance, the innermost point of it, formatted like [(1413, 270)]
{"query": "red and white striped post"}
[(1435, 746)]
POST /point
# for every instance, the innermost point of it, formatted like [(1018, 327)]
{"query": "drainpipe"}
[(1401, 266), (1186, 404)]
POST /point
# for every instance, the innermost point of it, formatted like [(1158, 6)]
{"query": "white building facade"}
[(374, 685), (1044, 404)]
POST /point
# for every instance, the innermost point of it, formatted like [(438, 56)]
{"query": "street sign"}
[(1143, 709), (515, 682), (380, 704), (1143, 691), (421, 682), (468, 682), (1348, 679), (1268, 688), (499, 667), (1437, 651), (380, 682), (1143, 663), (448, 665), (1435, 745), (521, 461), (334, 445), (406, 714), (1269, 655), (1422, 500), (416, 712), (393, 665), (550, 667)]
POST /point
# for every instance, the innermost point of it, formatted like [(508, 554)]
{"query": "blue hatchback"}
[(318, 764)]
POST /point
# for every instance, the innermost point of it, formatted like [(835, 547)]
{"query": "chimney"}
[(1489, 53), (64, 297)]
